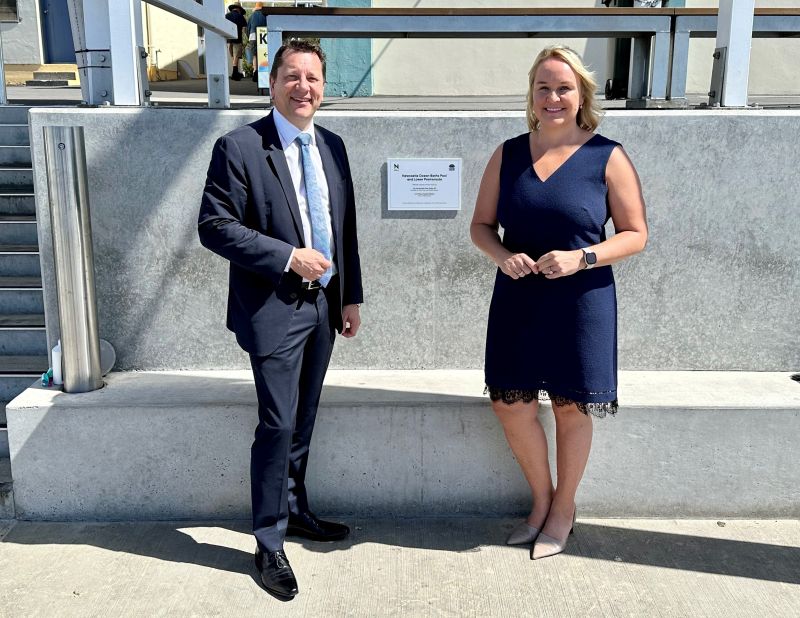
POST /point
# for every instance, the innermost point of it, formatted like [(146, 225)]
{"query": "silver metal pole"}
[(65, 158), (3, 95)]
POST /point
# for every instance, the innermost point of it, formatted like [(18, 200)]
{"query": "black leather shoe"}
[(307, 525), (276, 574)]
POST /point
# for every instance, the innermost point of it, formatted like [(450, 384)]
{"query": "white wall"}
[(443, 67), (446, 67), (174, 38), (773, 62)]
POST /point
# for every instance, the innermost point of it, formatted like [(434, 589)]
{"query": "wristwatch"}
[(590, 257)]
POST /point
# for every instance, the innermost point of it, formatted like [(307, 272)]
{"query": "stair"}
[(24, 74), (23, 339), (54, 76)]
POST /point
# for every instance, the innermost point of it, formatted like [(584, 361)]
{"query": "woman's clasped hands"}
[(552, 265)]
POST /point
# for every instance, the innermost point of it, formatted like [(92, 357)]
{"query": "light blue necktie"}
[(320, 239)]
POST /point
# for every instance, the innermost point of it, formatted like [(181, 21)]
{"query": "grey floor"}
[(421, 567)]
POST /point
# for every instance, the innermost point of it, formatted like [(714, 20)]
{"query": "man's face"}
[(297, 88)]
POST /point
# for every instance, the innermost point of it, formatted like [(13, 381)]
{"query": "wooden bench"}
[(650, 30)]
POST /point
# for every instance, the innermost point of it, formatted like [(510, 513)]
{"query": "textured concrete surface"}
[(410, 443), (713, 290), (22, 40), (396, 567)]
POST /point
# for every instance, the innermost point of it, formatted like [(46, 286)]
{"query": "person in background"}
[(552, 327), (257, 20), (236, 14)]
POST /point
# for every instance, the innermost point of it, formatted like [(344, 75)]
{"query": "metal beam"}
[(125, 67), (89, 21), (211, 17), (219, 92)]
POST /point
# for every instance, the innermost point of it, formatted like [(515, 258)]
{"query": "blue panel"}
[(349, 70), (57, 33)]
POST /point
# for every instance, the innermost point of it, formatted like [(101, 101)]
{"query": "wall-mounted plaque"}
[(424, 184)]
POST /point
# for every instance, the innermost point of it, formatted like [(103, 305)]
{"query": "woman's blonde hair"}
[(589, 114)]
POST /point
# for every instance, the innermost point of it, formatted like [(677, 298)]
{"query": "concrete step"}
[(19, 372), (12, 384), (55, 75), (51, 83), (19, 261), (18, 230), (14, 114), (405, 443), (12, 155), (17, 202), (19, 337), (16, 176), (19, 300), (6, 490), (14, 135)]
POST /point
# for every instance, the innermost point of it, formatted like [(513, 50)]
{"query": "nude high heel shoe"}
[(522, 534), (546, 546)]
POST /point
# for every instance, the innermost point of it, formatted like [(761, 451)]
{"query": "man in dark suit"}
[(278, 204)]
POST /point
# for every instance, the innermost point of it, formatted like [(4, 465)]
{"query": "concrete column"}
[(735, 34)]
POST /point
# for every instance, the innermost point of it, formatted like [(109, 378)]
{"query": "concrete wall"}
[(22, 40), (715, 289), (175, 445)]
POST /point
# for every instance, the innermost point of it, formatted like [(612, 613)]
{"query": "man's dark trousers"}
[(288, 384)]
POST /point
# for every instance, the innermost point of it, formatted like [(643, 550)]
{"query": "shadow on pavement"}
[(219, 545)]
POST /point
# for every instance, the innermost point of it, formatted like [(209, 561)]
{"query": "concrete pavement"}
[(405, 567), (245, 94)]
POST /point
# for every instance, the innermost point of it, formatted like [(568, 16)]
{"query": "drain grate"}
[(796, 377)]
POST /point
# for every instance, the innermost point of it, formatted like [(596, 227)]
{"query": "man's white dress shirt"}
[(288, 133)]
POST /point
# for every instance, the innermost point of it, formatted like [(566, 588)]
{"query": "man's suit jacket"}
[(249, 215)]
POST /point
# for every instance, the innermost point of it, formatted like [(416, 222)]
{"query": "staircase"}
[(23, 342)]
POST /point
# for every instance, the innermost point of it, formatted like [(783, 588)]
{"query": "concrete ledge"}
[(406, 443)]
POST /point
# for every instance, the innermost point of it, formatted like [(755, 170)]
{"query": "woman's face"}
[(556, 94)]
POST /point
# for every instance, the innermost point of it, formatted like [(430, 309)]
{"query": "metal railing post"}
[(65, 160), (3, 95)]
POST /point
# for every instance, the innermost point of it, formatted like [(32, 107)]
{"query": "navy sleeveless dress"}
[(554, 338)]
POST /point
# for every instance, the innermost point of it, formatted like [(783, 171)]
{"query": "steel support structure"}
[(98, 26), (650, 30), (735, 34)]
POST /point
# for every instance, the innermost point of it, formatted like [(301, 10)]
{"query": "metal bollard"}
[(65, 156)]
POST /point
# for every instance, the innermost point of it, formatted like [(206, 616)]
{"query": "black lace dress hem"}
[(510, 396)]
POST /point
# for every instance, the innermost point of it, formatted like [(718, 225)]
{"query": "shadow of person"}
[(229, 546)]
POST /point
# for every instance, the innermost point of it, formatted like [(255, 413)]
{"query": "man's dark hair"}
[(296, 46)]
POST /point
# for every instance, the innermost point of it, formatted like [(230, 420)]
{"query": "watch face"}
[(591, 258)]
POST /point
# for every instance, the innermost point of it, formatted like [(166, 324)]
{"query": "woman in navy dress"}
[(553, 317)]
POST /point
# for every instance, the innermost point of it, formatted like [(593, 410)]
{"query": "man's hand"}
[(309, 263), (351, 318)]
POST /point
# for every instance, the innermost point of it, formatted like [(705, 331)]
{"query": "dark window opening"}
[(8, 10)]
